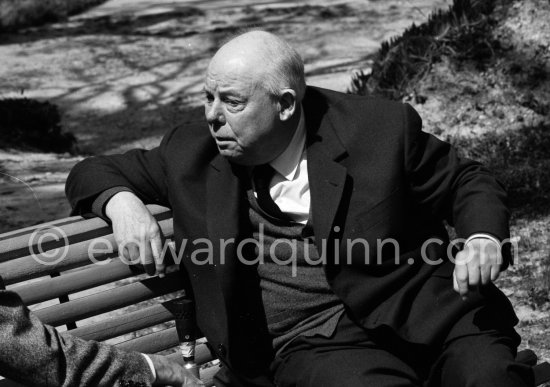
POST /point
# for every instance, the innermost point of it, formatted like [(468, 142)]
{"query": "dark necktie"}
[(262, 175)]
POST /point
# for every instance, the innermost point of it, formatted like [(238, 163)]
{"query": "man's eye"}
[(208, 97), (234, 103)]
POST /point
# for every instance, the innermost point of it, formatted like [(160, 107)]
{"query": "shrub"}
[(23, 13), (520, 160), (27, 123), (462, 32)]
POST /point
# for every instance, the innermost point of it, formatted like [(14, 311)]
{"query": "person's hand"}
[(136, 232), (171, 373), (476, 265)]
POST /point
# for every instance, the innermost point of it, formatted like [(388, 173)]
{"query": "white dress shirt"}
[(289, 187)]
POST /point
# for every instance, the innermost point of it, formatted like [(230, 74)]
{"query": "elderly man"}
[(310, 225), (37, 355)]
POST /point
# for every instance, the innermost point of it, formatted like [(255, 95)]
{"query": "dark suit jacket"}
[(373, 173), (37, 355)]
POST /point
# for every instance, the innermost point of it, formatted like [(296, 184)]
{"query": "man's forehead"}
[(237, 89), (226, 78), (230, 65)]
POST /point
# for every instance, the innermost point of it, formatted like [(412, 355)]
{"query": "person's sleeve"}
[(483, 236), (140, 171), (151, 366), (449, 187), (35, 354), (99, 203)]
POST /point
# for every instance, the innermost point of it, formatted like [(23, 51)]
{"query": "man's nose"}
[(214, 115)]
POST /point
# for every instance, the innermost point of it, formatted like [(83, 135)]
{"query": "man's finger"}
[(455, 282), (461, 275), (485, 271), (156, 250), (474, 274), (495, 271), (123, 252), (146, 257), (496, 264), (131, 252), (487, 253)]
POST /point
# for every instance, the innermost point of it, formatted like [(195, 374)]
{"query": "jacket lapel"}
[(224, 204), (327, 177)]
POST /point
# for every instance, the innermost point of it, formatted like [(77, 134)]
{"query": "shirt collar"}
[(287, 162)]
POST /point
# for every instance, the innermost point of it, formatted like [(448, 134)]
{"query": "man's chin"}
[(232, 156), (238, 158)]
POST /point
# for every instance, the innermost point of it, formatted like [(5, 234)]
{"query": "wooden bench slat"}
[(73, 230), (87, 278), (153, 342), (28, 230), (25, 268), (109, 300), (75, 255), (50, 237), (120, 325)]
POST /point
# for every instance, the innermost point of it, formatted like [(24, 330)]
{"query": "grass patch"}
[(27, 123), (16, 14), (461, 33)]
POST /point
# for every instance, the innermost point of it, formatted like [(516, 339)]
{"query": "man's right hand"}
[(136, 232)]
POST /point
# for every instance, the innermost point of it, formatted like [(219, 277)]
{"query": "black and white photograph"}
[(275, 193)]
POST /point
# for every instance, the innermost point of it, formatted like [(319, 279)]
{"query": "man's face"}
[(242, 116)]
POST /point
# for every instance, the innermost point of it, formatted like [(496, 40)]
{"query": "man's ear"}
[(287, 104)]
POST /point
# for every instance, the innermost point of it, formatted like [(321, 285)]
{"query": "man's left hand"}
[(478, 264)]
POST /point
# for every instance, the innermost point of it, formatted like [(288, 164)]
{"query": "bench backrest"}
[(69, 273)]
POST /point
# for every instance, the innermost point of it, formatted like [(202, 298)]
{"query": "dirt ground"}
[(125, 72)]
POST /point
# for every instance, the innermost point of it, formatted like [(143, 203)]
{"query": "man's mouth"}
[(223, 139), (224, 142)]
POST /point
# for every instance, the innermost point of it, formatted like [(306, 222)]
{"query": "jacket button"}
[(221, 350)]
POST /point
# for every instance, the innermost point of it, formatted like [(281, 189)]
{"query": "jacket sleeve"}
[(37, 355), (140, 171), (459, 190)]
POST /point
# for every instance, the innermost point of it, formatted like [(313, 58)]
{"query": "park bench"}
[(49, 265), (94, 300)]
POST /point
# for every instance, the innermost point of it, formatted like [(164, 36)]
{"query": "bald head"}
[(268, 58), (253, 89)]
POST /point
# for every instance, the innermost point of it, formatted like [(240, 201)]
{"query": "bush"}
[(520, 160), (27, 123), (462, 32), (15, 14)]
